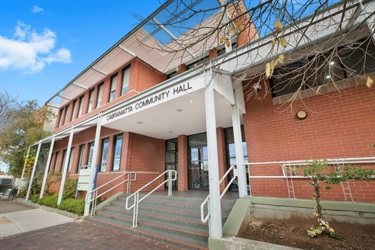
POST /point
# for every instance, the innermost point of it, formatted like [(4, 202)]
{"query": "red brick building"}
[(139, 109)]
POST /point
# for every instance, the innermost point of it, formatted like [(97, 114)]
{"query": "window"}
[(117, 153), (104, 157), (199, 62), (112, 92), (50, 163), (100, 94), (361, 59), (60, 117), (324, 68), (231, 151), (125, 80), (70, 160), (65, 111), (56, 159), (91, 97), (80, 159), (173, 74), (63, 160), (80, 106), (91, 152), (72, 115)]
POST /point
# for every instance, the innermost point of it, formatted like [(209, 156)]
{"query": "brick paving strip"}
[(80, 235)]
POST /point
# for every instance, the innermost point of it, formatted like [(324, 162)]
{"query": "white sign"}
[(83, 179), (155, 99)]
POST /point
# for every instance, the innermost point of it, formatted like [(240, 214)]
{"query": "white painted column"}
[(47, 167), (33, 172), (241, 172), (65, 167), (23, 171), (93, 165), (215, 223)]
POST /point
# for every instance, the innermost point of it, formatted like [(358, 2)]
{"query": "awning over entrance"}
[(175, 110)]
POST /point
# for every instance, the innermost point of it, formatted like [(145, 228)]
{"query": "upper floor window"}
[(91, 98), (80, 107), (60, 117), (324, 68), (125, 80), (100, 95), (63, 115), (112, 92), (72, 114)]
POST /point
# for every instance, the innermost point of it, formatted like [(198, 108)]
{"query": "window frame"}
[(115, 138)]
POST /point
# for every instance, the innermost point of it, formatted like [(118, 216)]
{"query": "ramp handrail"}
[(204, 219), (172, 176), (290, 171), (94, 193)]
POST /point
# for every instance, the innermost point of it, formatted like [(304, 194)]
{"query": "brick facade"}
[(338, 125)]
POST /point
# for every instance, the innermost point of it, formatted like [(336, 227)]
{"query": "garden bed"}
[(292, 232)]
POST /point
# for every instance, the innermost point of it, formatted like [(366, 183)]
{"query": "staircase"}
[(173, 219)]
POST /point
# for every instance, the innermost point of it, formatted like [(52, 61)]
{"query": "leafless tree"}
[(6, 102), (297, 45)]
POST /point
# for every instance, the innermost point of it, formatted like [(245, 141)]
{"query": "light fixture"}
[(328, 76), (301, 115), (332, 62)]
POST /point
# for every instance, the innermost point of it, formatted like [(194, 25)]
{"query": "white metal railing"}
[(131, 176), (204, 218), (290, 171), (172, 176)]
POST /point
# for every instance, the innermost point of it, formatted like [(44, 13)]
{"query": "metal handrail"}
[(286, 164), (172, 176), (94, 193), (204, 219)]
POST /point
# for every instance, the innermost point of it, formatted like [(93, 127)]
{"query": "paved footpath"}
[(69, 234)]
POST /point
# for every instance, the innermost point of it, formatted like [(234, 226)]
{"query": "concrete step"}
[(180, 220), (173, 219)]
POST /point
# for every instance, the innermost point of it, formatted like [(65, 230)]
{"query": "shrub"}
[(49, 201), (74, 206), (70, 188), (35, 199)]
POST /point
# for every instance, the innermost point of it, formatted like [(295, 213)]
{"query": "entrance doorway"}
[(198, 164)]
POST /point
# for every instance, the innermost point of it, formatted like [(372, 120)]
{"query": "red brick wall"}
[(339, 125), (182, 163), (143, 76), (145, 154)]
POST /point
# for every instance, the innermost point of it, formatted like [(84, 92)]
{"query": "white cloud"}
[(37, 9), (31, 51)]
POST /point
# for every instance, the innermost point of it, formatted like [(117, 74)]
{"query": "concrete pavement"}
[(35, 228), (26, 218)]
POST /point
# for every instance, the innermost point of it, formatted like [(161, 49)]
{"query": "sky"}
[(45, 44)]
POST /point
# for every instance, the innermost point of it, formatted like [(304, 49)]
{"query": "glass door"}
[(171, 159), (198, 168)]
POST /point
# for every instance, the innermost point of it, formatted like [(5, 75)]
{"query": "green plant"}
[(72, 205), (49, 201), (70, 188), (321, 171)]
